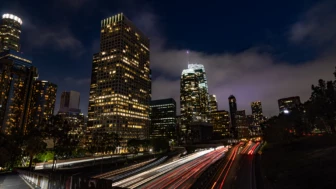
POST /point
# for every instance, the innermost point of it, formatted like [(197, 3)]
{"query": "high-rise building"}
[(43, 102), (17, 76), (213, 103), (120, 80), (242, 125), (70, 101), (163, 118), (233, 111), (10, 30), (194, 96), (257, 113), (221, 123), (289, 103)]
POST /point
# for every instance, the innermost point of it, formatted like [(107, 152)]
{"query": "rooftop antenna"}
[(188, 56)]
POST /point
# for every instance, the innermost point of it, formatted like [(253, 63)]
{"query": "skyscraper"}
[(163, 118), (17, 76), (120, 80), (43, 102), (10, 30), (221, 123), (257, 113), (233, 111), (194, 96), (70, 101), (289, 103), (213, 103), (241, 124)]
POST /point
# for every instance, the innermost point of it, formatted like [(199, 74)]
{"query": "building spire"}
[(188, 56)]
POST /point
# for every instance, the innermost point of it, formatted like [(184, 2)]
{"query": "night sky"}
[(255, 50)]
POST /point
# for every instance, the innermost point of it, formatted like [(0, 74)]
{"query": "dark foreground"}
[(306, 163)]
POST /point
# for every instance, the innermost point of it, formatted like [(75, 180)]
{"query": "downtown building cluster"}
[(25, 101), (120, 93)]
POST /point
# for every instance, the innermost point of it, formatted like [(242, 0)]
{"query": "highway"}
[(181, 173), (237, 170)]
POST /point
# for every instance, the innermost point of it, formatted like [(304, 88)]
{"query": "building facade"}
[(17, 76), (194, 96), (70, 101), (233, 111), (10, 31), (242, 125), (257, 113), (289, 103), (120, 80), (43, 102), (221, 124), (163, 118), (213, 103)]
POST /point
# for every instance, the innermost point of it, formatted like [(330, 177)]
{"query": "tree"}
[(34, 145), (133, 145), (323, 103), (160, 144), (61, 133)]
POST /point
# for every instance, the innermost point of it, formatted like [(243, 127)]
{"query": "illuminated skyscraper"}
[(43, 102), (194, 96), (257, 113), (10, 30), (241, 124), (120, 80), (213, 103), (17, 76), (163, 118), (233, 111), (221, 123)]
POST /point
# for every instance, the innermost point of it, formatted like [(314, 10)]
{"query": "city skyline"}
[(233, 70)]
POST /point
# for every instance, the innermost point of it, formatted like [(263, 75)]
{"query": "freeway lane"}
[(138, 180), (245, 176), (223, 172), (186, 175)]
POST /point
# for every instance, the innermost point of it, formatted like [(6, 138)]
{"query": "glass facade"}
[(120, 90), (10, 31), (163, 118), (43, 102), (194, 96)]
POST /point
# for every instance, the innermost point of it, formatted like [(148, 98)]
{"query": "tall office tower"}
[(194, 96), (233, 111), (43, 102), (213, 103), (242, 125), (289, 103), (257, 113), (120, 80), (163, 118), (70, 101), (17, 76), (10, 30), (221, 124)]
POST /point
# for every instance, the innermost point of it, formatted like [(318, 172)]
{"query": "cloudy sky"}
[(255, 50)]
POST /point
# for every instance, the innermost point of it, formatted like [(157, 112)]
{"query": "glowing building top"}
[(10, 31), (12, 17)]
